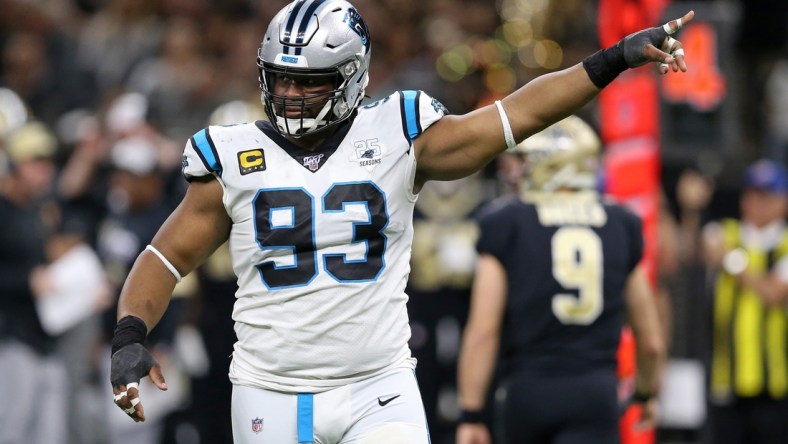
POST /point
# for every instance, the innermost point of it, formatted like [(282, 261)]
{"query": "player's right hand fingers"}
[(127, 398), (674, 25), (678, 55), (652, 53), (157, 377)]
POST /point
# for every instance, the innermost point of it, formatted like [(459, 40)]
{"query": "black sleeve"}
[(20, 251), (635, 232), (493, 230)]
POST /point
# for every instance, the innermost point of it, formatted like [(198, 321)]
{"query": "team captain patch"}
[(250, 161)]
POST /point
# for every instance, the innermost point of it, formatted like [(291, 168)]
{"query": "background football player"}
[(558, 276)]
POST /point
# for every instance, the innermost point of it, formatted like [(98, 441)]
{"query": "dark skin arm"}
[(193, 231), (457, 146)]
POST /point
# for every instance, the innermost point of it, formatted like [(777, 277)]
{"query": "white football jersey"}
[(320, 243)]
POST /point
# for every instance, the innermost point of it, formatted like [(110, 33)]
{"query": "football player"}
[(317, 204), (558, 275)]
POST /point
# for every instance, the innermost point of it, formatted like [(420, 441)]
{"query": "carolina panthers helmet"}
[(320, 38), (563, 155)]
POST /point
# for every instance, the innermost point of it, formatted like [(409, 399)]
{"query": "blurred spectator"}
[(211, 389), (33, 382), (85, 179), (762, 40), (179, 83), (117, 38), (13, 112), (39, 68), (136, 209), (71, 292), (442, 265), (776, 104), (683, 270), (749, 365)]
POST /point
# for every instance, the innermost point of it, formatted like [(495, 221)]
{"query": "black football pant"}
[(559, 409)]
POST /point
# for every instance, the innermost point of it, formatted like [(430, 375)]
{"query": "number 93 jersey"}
[(320, 243)]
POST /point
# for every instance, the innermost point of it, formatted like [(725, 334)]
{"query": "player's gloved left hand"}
[(656, 45), (131, 361), (639, 48)]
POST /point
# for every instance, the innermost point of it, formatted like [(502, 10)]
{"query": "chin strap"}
[(295, 126)]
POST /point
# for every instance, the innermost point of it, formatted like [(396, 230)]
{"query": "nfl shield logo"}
[(257, 425), (313, 162)]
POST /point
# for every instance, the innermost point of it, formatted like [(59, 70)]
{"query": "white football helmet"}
[(315, 37), (564, 155)]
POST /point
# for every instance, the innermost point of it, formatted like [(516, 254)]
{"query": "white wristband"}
[(167, 263), (507, 128)]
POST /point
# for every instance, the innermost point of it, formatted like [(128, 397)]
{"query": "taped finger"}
[(669, 29), (132, 385), (666, 27), (130, 411), (678, 52), (669, 44), (135, 401), (120, 396)]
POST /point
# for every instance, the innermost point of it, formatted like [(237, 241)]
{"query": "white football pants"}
[(385, 409)]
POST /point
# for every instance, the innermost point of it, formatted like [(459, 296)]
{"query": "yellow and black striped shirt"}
[(750, 346)]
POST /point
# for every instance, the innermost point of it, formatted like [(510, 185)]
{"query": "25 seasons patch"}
[(250, 161)]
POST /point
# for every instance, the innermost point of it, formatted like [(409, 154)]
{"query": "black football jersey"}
[(567, 260)]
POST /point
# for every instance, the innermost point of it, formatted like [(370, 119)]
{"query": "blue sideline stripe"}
[(305, 418), (207, 153), (410, 113)]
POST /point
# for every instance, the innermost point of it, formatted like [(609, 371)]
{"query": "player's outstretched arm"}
[(457, 146), (192, 232)]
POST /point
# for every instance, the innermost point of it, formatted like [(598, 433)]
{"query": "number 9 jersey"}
[(320, 243), (568, 257)]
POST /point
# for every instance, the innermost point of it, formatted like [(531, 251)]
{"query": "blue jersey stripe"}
[(206, 151), (305, 418), (411, 108)]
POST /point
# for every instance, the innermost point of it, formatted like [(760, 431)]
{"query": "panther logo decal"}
[(356, 23)]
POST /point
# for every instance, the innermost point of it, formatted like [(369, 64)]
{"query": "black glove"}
[(131, 361), (130, 364), (632, 51)]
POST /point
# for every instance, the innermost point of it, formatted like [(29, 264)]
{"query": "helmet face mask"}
[(565, 155), (316, 39), (294, 115)]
